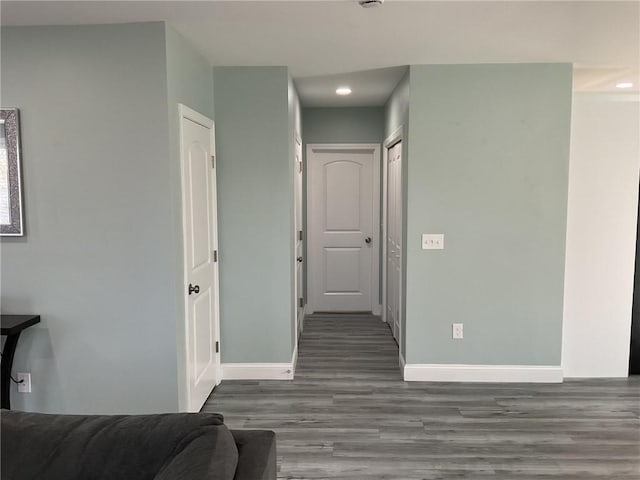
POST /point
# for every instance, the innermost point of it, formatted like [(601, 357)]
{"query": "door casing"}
[(298, 239), (376, 307), (186, 403), (396, 137)]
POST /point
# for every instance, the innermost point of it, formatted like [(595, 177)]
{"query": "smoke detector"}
[(370, 3)]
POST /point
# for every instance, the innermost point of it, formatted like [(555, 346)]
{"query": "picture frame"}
[(11, 211)]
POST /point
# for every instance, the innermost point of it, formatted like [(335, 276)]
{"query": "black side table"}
[(12, 326)]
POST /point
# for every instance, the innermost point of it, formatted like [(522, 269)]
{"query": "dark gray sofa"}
[(132, 447)]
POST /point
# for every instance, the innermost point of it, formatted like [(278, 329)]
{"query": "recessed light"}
[(343, 91), (624, 85)]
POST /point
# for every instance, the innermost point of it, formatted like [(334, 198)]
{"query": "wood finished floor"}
[(349, 415)]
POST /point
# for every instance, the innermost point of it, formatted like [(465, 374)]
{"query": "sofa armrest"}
[(256, 454)]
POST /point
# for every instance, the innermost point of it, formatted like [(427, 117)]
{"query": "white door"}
[(299, 299), (343, 220), (200, 257), (393, 231)]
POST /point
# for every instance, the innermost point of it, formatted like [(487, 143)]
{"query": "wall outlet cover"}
[(24, 385), (457, 331)]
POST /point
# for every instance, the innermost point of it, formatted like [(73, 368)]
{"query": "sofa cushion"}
[(256, 454), (92, 447)]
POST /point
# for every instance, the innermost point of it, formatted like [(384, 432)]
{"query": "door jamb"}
[(375, 267), (396, 137), (185, 112), (297, 140)]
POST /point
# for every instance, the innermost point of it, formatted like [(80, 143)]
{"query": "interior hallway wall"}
[(255, 194), (95, 261), (601, 234), (343, 124), (488, 168), (337, 125)]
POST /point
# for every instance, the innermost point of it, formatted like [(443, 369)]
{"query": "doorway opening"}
[(634, 355), (392, 234), (343, 218)]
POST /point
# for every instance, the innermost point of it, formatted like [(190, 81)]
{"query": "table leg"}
[(5, 369)]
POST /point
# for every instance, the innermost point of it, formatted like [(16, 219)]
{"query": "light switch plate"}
[(433, 241)]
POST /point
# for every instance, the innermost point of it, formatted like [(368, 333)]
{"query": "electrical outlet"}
[(457, 331), (433, 241), (24, 385)]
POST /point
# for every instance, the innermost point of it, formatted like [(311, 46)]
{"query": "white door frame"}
[(185, 112), (298, 317), (375, 267), (396, 137)]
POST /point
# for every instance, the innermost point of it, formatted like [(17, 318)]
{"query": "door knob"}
[(367, 240), (299, 259), (194, 289)]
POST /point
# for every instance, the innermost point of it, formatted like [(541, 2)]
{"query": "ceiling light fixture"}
[(624, 85), (370, 3), (343, 91)]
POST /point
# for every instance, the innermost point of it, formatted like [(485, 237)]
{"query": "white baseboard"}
[(377, 310), (261, 371), (482, 373), (257, 371), (294, 360)]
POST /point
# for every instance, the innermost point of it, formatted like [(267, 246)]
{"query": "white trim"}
[(257, 371), (185, 112), (261, 371), (401, 362), (296, 294), (609, 97), (396, 136), (375, 234), (483, 373), (375, 284), (377, 309)]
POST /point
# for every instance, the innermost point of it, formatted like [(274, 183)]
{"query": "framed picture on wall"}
[(11, 223)]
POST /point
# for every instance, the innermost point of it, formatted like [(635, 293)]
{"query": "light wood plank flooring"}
[(349, 415)]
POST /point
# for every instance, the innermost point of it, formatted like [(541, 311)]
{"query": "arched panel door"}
[(343, 228)]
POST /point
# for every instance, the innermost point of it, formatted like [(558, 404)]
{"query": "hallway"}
[(349, 415)]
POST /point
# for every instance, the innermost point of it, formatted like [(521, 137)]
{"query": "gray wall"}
[(396, 115), (343, 125), (254, 213), (93, 262), (396, 110), (190, 82), (489, 151)]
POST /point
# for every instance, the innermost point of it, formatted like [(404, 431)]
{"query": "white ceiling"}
[(329, 43)]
